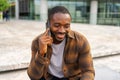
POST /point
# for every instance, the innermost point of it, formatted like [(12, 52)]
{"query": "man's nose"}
[(61, 29)]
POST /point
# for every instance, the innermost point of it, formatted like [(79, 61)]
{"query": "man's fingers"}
[(46, 32), (45, 39)]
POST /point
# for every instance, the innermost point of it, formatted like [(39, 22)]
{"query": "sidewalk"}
[(16, 38)]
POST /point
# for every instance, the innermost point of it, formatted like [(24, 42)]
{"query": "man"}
[(60, 53), (5, 15)]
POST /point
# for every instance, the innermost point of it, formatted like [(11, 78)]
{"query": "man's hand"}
[(44, 40)]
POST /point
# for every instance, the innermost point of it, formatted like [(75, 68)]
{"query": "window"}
[(109, 12), (79, 9)]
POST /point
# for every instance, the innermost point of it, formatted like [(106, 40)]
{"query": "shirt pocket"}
[(71, 58)]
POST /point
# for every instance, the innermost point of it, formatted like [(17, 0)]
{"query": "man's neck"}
[(55, 41)]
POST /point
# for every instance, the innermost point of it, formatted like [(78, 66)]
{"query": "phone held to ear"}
[(48, 26)]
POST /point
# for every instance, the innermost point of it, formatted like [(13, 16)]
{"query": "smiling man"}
[(60, 53)]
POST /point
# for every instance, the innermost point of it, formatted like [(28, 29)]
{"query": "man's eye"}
[(56, 25), (67, 26)]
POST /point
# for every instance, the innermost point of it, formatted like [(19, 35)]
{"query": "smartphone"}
[(48, 26)]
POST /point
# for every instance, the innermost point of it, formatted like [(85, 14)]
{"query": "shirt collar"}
[(71, 34)]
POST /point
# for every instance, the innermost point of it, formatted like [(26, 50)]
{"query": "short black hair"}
[(57, 9)]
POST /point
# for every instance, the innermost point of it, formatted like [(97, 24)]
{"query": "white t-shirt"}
[(55, 67)]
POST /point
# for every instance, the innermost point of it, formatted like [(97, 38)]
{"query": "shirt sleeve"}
[(37, 63), (86, 62)]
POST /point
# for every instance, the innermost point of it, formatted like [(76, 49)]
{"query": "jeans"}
[(55, 78)]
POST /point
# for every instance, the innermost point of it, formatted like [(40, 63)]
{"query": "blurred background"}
[(22, 20), (103, 12)]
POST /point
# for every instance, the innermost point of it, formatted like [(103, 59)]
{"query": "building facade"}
[(106, 12)]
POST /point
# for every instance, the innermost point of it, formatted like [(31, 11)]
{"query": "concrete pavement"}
[(16, 38)]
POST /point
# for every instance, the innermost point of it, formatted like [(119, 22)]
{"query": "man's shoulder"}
[(78, 34), (35, 44), (81, 39), (36, 39)]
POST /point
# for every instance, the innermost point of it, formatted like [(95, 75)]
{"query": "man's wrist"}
[(42, 53)]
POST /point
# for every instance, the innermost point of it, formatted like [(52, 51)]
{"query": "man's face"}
[(60, 25)]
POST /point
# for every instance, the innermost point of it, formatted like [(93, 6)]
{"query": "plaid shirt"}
[(77, 60)]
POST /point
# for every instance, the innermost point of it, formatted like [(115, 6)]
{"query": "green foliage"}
[(4, 5)]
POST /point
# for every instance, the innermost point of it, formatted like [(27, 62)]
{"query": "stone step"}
[(101, 73)]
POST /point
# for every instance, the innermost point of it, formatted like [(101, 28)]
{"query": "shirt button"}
[(64, 70), (46, 62)]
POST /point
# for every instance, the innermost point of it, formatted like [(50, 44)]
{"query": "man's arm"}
[(86, 62), (38, 64), (36, 67)]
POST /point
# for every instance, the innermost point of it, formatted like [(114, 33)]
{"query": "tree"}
[(4, 5)]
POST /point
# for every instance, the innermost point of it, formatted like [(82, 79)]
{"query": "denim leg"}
[(42, 78), (55, 78)]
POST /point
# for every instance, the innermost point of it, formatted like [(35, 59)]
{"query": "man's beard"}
[(58, 36)]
